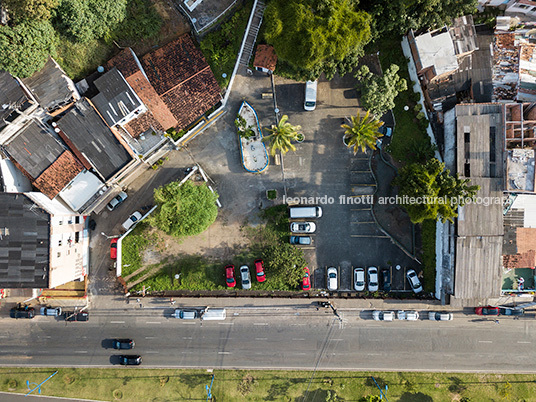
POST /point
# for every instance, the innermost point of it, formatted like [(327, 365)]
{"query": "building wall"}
[(522, 7)]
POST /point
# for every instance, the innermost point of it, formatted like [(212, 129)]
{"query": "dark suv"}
[(123, 343), (22, 311), (386, 276), (130, 360), (74, 316)]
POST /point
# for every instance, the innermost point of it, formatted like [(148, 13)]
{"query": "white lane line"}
[(149, 337), (374, 354), (187, 337), (485, 341), (300, 353), (3, 336), (260, 323), (81, 351), (152, 351), (188, 323), (336, 339), (298, 339), (153, 322), (224, 353), (117, 322), (48, 337), (261, 339), (226, 323), (523, 342), (225, 338)]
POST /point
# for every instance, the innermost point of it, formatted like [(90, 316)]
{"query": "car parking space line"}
[(361, 209), (362, 223), (371, 236)]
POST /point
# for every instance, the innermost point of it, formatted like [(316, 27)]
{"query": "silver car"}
[(302, 227), (383, 315), (132, 220), (407, 315), (440, 316), (332, 278), (359, 279), (372, 273), (414, 281), (246, 277)]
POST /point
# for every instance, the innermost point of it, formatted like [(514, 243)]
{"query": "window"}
[(59, 243), (467, 169), (59, 255), (60, 222), (77, 219), (77, 237), (467, 137)]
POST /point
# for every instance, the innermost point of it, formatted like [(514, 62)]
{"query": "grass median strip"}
[(255, 385)]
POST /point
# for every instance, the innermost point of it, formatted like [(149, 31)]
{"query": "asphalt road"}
[(284, 338)]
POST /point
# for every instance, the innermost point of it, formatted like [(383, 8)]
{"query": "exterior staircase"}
[(252, 33)]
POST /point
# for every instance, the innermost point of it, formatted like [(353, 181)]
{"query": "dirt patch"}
[(174, 24)]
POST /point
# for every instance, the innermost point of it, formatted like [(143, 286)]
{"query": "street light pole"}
[(209, 389), (108, 237)]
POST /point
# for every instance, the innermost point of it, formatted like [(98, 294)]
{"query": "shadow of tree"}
[(193, 380), (277, 390), (415, 397), (318, 395), (369, 382), (457, 385)]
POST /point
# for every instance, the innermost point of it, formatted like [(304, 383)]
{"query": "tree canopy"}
[(432, 192), (25, 47), (363, 133), (316, 35), (185, 210), (20, 10), (398, 16), (284, 263), (282, 135), (378, 92)]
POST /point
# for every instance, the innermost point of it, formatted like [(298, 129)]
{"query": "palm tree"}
[(363, 132), (282, 135)]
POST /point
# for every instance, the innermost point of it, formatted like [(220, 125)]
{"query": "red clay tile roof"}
[(192, 98), (520, 260), (150, 98), (124, 62), (58, 175), (525, 239), (143, 123), (265, 57), (173, 63)]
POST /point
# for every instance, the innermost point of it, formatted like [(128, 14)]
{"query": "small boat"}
[(252, 148)]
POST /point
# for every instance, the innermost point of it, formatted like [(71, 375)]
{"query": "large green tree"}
[(185, 210), (432, 192), (398, 16), (25, 47), (363, 133), (284, 263), (378, 92), (20, 10), (84, 20), (282, 135), (316, 35)]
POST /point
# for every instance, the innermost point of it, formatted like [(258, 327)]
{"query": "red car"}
[(306, 281), (229, 276), (488, 310), (113, 249), (259, 269)]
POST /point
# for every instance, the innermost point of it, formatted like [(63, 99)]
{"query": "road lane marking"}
[(224, 353), (117, 322), (298, 339), (336, 339), (226, 323), (187, 337), (153, 322), (523, 342), (81, 351), (485, 341), (260, 323), (149, 337), (152, 351), (261, 339)]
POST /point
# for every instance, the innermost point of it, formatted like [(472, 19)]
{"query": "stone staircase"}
[(252, 33)]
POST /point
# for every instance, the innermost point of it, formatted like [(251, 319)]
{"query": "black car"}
[(22, 312), (74, 316), (130, 360), (123, 343), (386, 275)]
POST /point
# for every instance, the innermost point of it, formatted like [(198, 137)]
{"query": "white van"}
[(310, 95), (214, 314), (305, 212)]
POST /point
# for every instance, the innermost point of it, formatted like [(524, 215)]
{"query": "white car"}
[(245, 276), (117, 200), (132, 220), (302, 227), (383, 315), (359, 279), (414, 281), (440, 316), (332, 278), (372, 273), (407, 315), (310, 95)]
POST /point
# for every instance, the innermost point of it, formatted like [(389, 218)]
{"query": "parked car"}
[(229, 276), (50, 311), (259, 270), (306, 281), (117, 200), (246, 277), (359, 279), (386, 131), (414, 281), (130, 360), (72, 316), (113, 248), (332, 278), (372, 274), (183, 314), (488, 310), (22, 311), (386, 276), (300, 240), (123, 343), (440, 316), (511, 311), (310, 95), (302, 227), (132, 220), (383, 315), (407, 315)]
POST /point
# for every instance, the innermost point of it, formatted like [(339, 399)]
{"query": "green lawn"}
[(236, 385), (428, 236)]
